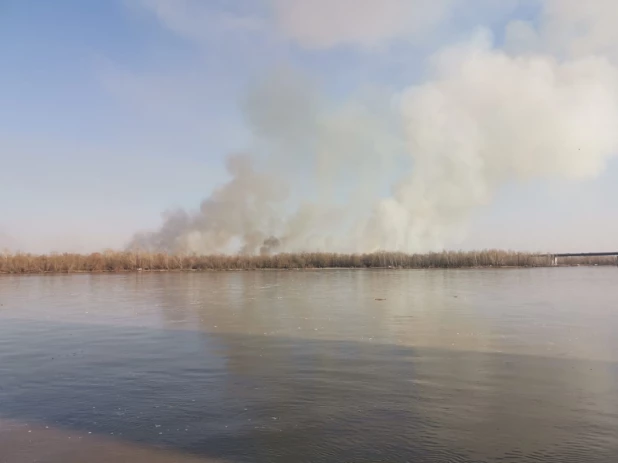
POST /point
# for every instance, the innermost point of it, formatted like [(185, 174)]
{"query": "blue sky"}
[(112, 112)]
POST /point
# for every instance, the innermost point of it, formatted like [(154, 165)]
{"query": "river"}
[(512, 365)]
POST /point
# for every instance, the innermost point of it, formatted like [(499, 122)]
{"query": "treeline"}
[(111, 261)]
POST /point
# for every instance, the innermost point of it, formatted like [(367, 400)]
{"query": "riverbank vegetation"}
[(112, 261)]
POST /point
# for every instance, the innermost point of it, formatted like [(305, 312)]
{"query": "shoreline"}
[(293, 269), (133, 261)]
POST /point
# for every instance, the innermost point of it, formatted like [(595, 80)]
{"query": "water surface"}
[(311, 366)]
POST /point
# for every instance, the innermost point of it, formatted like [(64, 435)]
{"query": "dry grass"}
[(602, 260), (111, 261)]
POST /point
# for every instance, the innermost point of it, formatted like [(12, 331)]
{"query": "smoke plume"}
[(367, 174), (486, 118), (314, 170)]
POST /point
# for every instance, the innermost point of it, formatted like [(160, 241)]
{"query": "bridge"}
[(554, 257)]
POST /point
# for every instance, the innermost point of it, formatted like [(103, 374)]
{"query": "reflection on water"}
[(463, 366)]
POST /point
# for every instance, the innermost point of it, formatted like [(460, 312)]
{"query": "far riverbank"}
[(118, 261)]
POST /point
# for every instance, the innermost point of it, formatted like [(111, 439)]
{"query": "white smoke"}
[(368, 23), (313, 173), (486, 118), (569, 28), (482, 118)]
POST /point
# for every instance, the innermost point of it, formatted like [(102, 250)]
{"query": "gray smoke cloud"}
[(405, 172), (314, 170), (244, 209)]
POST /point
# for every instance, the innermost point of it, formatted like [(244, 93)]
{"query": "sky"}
[(113, 112)]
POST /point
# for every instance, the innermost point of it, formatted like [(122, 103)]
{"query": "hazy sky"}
[(112, 112)]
